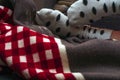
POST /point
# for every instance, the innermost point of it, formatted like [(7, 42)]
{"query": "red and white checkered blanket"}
[(33, 55)]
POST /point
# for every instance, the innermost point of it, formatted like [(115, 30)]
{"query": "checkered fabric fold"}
[(32, 55), (5, 14)]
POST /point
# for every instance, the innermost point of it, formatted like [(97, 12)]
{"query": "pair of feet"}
[(59, 24)]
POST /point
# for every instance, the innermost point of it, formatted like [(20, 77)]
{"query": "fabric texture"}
[(36, 56), (33, 55), (60, 26), (82, 12)]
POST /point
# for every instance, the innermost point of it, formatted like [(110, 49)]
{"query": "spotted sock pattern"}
[(79, 14), (58, 23), (88, 32), (55, 20), (84, 12)]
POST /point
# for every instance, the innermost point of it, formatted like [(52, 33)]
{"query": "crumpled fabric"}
[(89, 60)]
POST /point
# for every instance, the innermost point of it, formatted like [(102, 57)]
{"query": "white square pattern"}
[(7, 27), (9, 12), (20, 43), (46, 40), (8, 46), (32, 40), (1, 7), (9, 33), (48, 54), (26, 73), (19, 29), (36, 57), (52, 71), (38, 70), (60, 76), (23, 59), (9, 60)]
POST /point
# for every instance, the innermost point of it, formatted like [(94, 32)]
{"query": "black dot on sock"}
[(94, 31), (94, 10), (84, 28), (102, 32), (58, 29), (48, 24), (105, 8), (82, 37), (67, 23), (85, 2), (91, 21), (98, 0), (95, 37), (113, 7), (89, 30), (68, 34), (58, 17), (82, 14), (77, 35)]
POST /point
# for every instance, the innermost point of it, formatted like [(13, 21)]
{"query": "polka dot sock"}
[(55, 20), (88, 32), (84, 12), (58, 23)]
